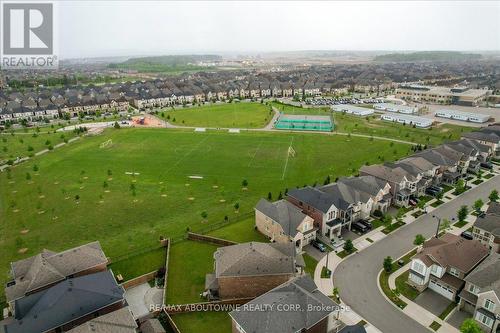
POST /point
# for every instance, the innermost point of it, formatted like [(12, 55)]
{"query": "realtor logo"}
[(28, 36)]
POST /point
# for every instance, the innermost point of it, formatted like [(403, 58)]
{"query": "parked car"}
[(366, 223), (359, 227), (467, 235), (412, 202), (487, 165), (319, 246), (432, 192)]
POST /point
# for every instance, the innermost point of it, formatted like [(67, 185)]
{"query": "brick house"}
[(443, 263), (300, 292), (251, 269), (283, 222), (486, 229)]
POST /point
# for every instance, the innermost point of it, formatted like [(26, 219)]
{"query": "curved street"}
[(356, 277)]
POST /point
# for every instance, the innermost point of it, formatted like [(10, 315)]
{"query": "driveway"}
[(356, 277), (432, 302), (457, 318), (314, 252)]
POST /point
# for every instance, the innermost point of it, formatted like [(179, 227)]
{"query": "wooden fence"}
[(209, 239)]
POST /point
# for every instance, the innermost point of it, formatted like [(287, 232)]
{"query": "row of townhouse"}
[(71, 291), (328, 210)]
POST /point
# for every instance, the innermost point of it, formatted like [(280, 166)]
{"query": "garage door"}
[(441, 289)]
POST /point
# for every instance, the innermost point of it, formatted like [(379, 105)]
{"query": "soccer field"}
[(139, 187)]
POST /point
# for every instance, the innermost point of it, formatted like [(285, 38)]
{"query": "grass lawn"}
[(206, 322), (325, 272), (83, 193), (292, 109), (189, 262), (447, 311), (437, 203), (384, 279), (26, 143), (344, 253), (139, 264), (241, 115), (488, 176), (390, 228), (405, 289), (372, 125), (435, 325), (477, 181), (460, 224), (310, 264), (241, 232)]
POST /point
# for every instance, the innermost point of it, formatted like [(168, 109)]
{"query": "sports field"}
[(138, 187), (236, 115)]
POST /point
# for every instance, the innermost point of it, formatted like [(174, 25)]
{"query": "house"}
[(119, 321), (443, 263), (447, 167), (251, 269), (294, 306), (283, 222), (48, 268), (486, 229), (489, 138), (66, 305), (481, 294)]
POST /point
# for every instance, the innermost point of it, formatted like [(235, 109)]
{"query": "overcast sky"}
[(109, 28)]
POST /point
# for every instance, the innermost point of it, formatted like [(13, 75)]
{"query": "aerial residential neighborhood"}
[(250, 167)]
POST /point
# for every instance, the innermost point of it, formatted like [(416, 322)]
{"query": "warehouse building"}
[(463, 116), (407, 120), (442, 95), (352, 109), (390, 107)]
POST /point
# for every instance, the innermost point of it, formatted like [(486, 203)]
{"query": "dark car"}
[(360, 227), (486, 165), (366, 223), (467, 235), (319, 246)]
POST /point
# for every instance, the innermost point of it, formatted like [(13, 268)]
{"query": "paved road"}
[(356, 277)]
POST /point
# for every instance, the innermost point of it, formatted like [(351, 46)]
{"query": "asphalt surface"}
[(356, 277)]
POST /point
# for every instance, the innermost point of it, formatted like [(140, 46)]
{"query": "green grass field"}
[(82, 192), (236, 115), (206, 322), (291, 109), (22, 144)]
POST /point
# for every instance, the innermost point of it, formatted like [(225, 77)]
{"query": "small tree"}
[(204, 215), (477, 205), (77, 197), (462, 213), (445, 225), (419, 240), (470, 326), (269, 196), (439, 196), (280, 196), (348, 246), (237, 206), (116, 125), (35, 168), (460, 186), (105, 184), (387, 219), (387, 264), (28, 176), (109, 172), (493, 196), (244, 183)]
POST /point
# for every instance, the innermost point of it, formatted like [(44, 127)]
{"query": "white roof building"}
[(464, 116), (351, 109), (390, 107), (420, 122)]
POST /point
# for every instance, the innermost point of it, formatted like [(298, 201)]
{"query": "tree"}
[(269, 196), (109, 172), (237, 206), (387, 219), (28, 176), (462, 213), (244, 183), (470, 326), (387, 264), (77, 197), (445, 225), (439, 196), (348, 246), (477, 205), (204, 215), (35, 168), (116, 125), (419, 240), (493, 196), (460, 186), (280, 196)]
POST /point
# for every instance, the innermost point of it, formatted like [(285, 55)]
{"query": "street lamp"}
[(439, 224)]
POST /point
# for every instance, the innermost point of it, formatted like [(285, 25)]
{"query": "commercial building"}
[(408, 120), (442, 95), (463, 116), (390, 107), (351, 109)]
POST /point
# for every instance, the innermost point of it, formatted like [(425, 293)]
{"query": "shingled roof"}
[(49, 267), (301, 293), (64, 302), (487, 274), (453, 251), (284, 213), (119, 321), (254, 258)]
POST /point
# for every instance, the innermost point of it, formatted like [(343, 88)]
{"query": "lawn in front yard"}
[(460, 224), (404, 288), (344, 253), (189, 262), (235, 115), (203, 322), (437, 203), (390, 228), (310, 264)]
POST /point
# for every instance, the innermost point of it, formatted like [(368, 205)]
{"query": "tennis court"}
[(304, 123)]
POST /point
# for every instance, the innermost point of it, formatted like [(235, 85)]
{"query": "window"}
[(436, 270), (484, 319), (454, 271), (331, 215), (417, 279), (418, 267), (490, 305), (473, 289)]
